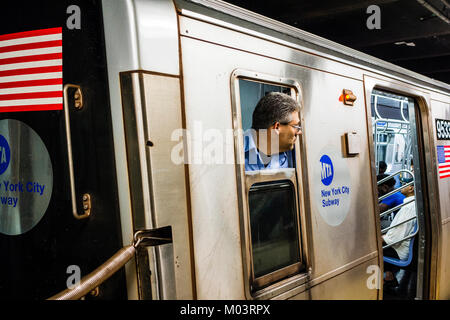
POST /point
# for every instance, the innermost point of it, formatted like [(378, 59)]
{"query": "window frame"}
[(291, 276)]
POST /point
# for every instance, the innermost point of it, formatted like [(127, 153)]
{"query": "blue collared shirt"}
[(253, 159)]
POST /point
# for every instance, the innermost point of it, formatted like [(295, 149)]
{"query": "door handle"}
[(78, 97)]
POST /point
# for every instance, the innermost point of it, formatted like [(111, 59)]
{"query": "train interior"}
[(397, 156)]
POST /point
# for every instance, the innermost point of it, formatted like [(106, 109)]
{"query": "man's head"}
[(278, 113), (386, 186), (382, 166), (408, 191)]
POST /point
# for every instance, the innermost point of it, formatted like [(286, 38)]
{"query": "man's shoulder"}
[(394, 199), (397, 196), (400, 195), (249, 141)]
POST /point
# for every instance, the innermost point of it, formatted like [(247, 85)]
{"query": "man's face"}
[(288, 134), (382, 189), (407, 190)]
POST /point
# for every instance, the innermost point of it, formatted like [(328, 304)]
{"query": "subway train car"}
[(122, 169)]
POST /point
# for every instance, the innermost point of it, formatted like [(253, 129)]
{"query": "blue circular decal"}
[(5, 154), (327, 170)]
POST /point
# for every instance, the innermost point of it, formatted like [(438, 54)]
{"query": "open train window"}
[(271, 203)]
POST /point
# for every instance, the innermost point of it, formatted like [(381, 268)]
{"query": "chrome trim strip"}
[(344, 268), (280, 289), (302, 282)]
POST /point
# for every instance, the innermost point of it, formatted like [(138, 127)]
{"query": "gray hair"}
[(274, 107)]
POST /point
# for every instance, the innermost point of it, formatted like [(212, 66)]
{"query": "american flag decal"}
[(443, 154), (31, 71)]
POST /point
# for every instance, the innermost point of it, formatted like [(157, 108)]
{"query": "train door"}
[(400, 159), (59, 216)]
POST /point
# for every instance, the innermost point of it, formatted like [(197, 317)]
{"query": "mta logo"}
[(5, 154), (327, 171)]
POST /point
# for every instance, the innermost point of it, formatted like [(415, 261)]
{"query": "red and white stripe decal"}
[(31, 71)]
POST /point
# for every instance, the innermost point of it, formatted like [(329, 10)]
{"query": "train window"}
[(264, 147), (271, 206), (273, 221), (391, 114)]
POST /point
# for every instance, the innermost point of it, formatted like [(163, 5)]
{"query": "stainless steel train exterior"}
[(176, 72), (184, 60)]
